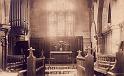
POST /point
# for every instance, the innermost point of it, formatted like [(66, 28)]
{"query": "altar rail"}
[(15, 62), (104, 64)]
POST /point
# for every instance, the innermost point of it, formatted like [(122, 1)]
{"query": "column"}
[(5, 29)]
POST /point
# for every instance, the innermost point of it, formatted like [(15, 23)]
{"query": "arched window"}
[(109, 14), (60, 17)]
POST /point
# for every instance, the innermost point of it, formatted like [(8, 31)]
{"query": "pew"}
[(104, 64), (80, 64), (15, 62), (35, 66), (102, 67)]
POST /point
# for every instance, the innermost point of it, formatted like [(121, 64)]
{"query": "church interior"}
[(61, 38)]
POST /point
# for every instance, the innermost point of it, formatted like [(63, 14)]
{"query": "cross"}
[(79, 53), (31, 50)]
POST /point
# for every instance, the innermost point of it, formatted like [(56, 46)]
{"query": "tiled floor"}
[(61, 70), (74, 73)]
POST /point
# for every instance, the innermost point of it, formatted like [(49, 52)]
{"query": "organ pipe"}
[(19, 16)]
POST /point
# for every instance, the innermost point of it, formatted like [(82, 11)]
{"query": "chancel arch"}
[(55, 22)]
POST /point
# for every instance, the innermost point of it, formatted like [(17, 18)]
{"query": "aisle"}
[(8, 74)]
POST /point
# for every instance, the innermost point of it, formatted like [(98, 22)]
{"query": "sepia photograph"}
[(61, 37)]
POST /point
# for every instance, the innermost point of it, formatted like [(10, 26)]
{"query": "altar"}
[(61, 57), (63, 50)]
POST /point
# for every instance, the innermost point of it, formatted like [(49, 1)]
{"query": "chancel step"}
[(61, 70)]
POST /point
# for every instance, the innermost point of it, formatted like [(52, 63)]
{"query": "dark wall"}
[(40, 44), (21, 48), (45, 44)]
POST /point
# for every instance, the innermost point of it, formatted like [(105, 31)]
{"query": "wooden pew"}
[(35, 66), (37, 69), (81, 66), (104, 64), (15, 62)]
